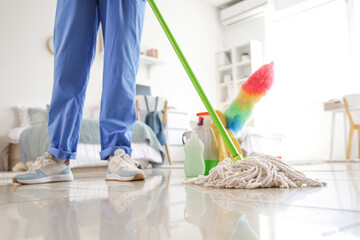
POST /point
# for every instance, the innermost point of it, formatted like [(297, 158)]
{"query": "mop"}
[(259, 171)]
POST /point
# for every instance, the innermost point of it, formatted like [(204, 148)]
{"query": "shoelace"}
[(40, 162), (122, 157)]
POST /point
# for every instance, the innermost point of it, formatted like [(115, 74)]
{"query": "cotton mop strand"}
[(257, 171)]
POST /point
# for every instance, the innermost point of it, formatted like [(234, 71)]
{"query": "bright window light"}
[(313, 64), (312, 55)]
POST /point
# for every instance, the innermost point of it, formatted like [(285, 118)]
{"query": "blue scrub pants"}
[(75, 33)]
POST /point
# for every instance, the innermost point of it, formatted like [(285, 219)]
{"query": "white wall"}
[(26, 66), (251, 29), (282, 4)]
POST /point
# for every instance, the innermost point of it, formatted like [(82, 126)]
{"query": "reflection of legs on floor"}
[(128, 202), (17, 223), (49, 205), (62, 221), (116, 224)]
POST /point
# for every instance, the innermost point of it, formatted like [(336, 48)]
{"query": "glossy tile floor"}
[(163, 208)]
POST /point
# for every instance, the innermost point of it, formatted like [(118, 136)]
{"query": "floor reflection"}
[(130, 210), (49, 213), (236, 214), (163, 208), (213, 220), (133, 213)]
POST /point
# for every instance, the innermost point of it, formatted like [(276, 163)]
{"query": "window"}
[(313, 64), (312, 55)]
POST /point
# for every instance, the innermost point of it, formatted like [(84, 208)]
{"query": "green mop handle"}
[(214, 116)]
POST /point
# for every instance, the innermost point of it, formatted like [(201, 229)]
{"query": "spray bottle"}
[(194, 157), (207, 136)]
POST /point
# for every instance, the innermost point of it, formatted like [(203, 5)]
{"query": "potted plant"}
[(245, 56)]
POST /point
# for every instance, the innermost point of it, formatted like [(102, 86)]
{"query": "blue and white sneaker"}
[(123, 168), (44, 170)]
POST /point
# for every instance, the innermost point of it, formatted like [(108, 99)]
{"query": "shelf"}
[(245, 63), (238, 68), (228, 67), (225, 68), (242, 80), (149, 62)]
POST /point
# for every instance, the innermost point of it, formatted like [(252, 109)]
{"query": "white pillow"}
[(14, 134), (24, 116)]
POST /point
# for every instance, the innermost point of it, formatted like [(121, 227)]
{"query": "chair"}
[(141, 105), (352, 102)]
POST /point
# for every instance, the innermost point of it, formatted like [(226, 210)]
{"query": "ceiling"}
[(220, 3)]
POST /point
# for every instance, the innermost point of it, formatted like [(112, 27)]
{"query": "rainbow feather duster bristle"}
[(250, 93)]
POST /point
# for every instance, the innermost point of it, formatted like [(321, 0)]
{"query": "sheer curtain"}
[(356, 39)]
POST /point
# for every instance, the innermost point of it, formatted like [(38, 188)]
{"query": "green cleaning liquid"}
[(207, 136), (209, 164)]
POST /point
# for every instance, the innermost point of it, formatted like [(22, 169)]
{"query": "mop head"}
[(258, 171), (250, 93)]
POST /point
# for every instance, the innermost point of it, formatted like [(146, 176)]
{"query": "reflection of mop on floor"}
[(222, 213), (213, 221), (266, 202)]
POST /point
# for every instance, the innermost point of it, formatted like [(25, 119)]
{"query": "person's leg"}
[(122, 23), (76, 25), (75, 31)]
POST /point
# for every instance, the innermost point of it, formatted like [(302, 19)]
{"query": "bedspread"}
[(34, 141)]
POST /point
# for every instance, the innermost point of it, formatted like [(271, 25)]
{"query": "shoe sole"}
[(50, 179), (114, 177)]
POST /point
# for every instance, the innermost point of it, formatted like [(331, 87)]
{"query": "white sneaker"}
[(122, 168), (44, 170)]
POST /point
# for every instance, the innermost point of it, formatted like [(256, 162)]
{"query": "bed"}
[(31, 141)]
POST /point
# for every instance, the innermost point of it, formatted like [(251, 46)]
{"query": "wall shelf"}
[(232, 82), (244, 63), (150, 62), (225, 68)]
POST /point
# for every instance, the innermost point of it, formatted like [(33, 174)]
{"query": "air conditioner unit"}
[(242, 11)]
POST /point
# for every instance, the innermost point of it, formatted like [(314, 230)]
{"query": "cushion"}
[(14, 134), (24, 116), (38, 115)]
